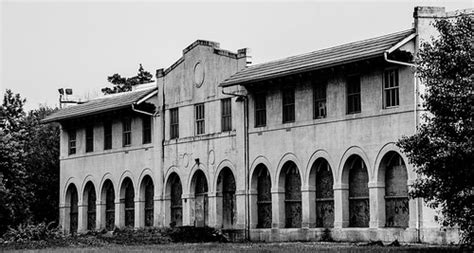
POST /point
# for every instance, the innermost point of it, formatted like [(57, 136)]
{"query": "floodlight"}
[(61, 91), (68, 91)]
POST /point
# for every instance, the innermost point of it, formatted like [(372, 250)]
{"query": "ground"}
[(296, 247)]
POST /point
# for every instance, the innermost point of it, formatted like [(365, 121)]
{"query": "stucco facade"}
[(294, 174)]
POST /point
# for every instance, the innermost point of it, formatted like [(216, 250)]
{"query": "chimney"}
[(424, 17)]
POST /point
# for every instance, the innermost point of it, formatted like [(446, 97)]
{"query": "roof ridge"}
[(118, 94)]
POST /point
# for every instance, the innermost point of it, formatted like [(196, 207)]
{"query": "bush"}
[(28, 232)]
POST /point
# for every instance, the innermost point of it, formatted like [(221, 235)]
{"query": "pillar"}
[(240, 209), (308, 204), (215, 210), (81, 217), (377, 204), (139, 212), (253, 208), (341, 205), (278, 209)]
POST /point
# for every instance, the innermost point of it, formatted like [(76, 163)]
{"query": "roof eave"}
[(66, 117)]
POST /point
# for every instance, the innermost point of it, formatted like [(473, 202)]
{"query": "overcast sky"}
[(48, 45)]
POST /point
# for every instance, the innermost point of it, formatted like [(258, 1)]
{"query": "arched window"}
[(264, 197), (147, 194), (293, 208), (176, 208), (90, 199), (129, 202), (359, 209), (200, 199), (324, 194), (109, 196), (396, 191), (71, 194), (226, 197)]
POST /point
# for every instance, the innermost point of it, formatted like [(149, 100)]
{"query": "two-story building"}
[(291, 149)]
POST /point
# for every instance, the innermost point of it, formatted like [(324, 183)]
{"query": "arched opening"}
[(321, 175), (147, 193), (226, 198), (291, 179), (396, 190), (89, 198), (127, 202), (174, 201), (261, 198), (200, 199), (358, 179), (71, 200), (108, 194)]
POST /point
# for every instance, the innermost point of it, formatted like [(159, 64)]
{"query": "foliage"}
[(29, 163), (442, 148), (124, 84), (25, 233)]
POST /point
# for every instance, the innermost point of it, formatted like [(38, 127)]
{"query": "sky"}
[(46, 45)]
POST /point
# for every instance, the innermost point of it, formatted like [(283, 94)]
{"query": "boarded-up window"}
[(226, 184), (358, 194), (91, 206), (396, 192), (324, 195), (149, 193), (264, 198), (73, 210), (129, 203), (109, 206), (292, 196), (201, 201), (176, 202)]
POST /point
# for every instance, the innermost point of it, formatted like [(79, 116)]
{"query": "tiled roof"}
[(99, 105), (318, 59)]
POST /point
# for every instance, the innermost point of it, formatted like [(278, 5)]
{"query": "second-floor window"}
[(127, 132), (319, 100), (226, 109), (390, 88), (199, 117), (72, 141), (146, 129), (174, 123), (353, 94), (288, 105), (89, 139), (260, 110), (107, 135)]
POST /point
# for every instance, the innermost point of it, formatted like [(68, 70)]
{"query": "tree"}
[(29, 165), (442, 148), (124, 84)]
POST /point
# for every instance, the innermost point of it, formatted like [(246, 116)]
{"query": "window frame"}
[(288, 107), (260, 110), (394, 88), (108, 135), (316, 100), (226, 114), (89, 136), (200, 123), (126, 132), (146, 129), (174, 123), (350, 96), (72, 142)]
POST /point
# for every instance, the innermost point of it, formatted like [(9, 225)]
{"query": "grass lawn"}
[(292, 247)]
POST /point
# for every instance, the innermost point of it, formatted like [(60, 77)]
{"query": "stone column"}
[(81, 217), (253, 208), (188, 209), (377, 204), (278, 209), (63, 217), (215, 204), (139, 212), (99, 215), (240, 208), (308, 204), (341, 205), (119, 213)]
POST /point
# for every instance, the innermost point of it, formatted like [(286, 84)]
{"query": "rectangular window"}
[(174, 123), (89, 139), (127, 132), (72, 141), (146, 129), (199, 117), (353, 94), (260, 110), (390, 88), (319, 100), (288, 105), (226, 109), (107, 135)]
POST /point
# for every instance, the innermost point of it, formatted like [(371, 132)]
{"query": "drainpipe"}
[(246, 160), (385, 56), (140, 111)]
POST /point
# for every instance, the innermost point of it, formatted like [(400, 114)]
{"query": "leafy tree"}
[(124, 84), (29, 165), (442, 148)]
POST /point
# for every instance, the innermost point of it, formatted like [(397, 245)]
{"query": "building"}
[(278, 151)]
